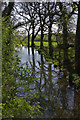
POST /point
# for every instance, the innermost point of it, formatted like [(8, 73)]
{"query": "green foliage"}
[(45, 37), (19, 108), (76, 81), (0, 69), (14, 101), (38, 37)]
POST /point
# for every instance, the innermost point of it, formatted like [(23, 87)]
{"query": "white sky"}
[(39, 0), (54, 26)]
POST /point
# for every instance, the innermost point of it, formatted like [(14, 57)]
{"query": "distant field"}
[(37, 43), (45, 44)]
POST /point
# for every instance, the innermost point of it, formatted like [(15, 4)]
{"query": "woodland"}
[(40, 59)]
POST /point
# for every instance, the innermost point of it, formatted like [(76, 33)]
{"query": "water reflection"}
[(52, 85)]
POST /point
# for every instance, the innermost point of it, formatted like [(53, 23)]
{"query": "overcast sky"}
[(39, 0), (73, 25)]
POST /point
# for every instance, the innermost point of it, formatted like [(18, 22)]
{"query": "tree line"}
[(41, 17)]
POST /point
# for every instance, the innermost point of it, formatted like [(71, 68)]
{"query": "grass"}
[(45, 44), (37, 43), (20, 41)]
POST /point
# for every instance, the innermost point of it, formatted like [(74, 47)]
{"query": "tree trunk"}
[(28, 39), (41, 42), (32, 44), (77, 44), (65, 34), (50, 42), (65, 42), (7, 11)]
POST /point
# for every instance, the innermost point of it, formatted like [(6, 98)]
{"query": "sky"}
[(39, 0), (54, 26)]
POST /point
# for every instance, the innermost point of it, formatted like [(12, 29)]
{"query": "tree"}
[(50, 29), (65, 18), (27, 11), (8, 9), (77, 44), (51, 8), (42, 13)]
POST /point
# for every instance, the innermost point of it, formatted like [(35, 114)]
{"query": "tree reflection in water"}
[(52, 85)]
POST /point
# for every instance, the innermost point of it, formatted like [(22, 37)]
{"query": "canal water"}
[(54, 93)]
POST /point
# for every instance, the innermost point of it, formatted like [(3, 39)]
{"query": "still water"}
[(55, 94)]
